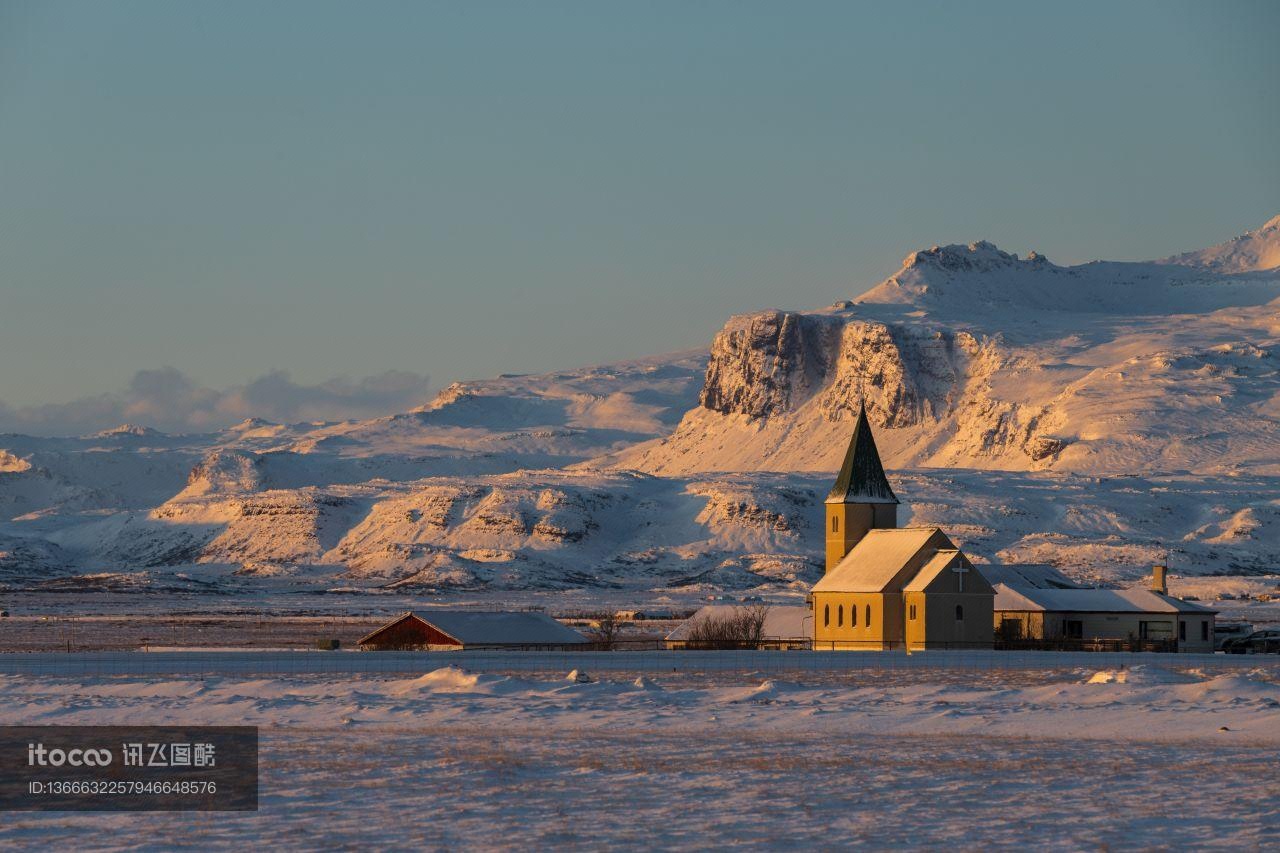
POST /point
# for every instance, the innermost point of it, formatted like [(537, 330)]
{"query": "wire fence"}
[(626, 661)]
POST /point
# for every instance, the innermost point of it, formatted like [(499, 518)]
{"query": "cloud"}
[(168, 400)]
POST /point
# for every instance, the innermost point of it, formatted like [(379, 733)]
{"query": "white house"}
[(1039, 603)]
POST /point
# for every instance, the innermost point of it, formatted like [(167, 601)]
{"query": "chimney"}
[(1159, 579)]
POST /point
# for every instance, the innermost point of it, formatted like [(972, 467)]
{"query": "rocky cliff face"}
[(906, 375), (787, 387), (772, 363), (766, 363)]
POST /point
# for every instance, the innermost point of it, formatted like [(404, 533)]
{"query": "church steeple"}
[(861, 498), (861, 478)]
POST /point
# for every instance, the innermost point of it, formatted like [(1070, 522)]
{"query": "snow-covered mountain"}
[(1253, 251), (972, 357), (1093, 416)]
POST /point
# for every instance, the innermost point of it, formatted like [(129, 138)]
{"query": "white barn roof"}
[(1090, 601), (1030, 575), (781, 622)]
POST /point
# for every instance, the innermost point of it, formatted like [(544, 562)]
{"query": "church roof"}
[(940, 561), (879, 558), (861, 478)]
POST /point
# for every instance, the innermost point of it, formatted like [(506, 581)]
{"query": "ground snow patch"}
[(1143, 675), (455, 679), (1109, 676), (764, 693)]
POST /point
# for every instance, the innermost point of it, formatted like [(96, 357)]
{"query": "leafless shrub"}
[(606, 630), (743, 627)]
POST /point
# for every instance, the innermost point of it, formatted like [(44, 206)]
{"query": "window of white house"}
[(835, 524), (868, 613), (913, 612), (840, 616), (826, 615)]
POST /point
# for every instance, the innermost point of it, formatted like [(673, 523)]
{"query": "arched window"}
[(959, 613), (826, 615), (840, 616), (868, 615), (835, 524), (853, 615)]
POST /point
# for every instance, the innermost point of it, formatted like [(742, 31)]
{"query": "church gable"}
[(949, 571)]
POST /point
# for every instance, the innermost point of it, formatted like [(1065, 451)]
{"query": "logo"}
[(38, 756)]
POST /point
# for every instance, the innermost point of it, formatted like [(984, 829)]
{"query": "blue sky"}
[(462, 189)]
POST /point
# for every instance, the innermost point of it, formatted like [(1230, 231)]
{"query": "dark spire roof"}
[(861, 478)]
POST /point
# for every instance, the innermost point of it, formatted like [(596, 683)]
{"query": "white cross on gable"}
[(960, 570)]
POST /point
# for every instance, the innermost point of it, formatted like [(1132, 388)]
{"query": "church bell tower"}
[(861, 498)]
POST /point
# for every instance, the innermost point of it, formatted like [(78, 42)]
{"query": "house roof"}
[(1027, 575), (875, 561), (485, 627), (861, 478), (781, 622), (1027, 598)]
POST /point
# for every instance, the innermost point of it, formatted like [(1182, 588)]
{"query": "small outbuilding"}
[(451, 630), (785, 626)]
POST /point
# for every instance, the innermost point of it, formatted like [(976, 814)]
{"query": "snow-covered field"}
[(1165, 755)]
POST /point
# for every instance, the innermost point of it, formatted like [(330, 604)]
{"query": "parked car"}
[(1259, 642), (1224, 631)]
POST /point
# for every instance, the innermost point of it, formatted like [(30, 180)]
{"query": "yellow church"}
[(887, 586)]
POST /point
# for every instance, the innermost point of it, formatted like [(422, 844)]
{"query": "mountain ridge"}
[(1014, 401), (971, 357)]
